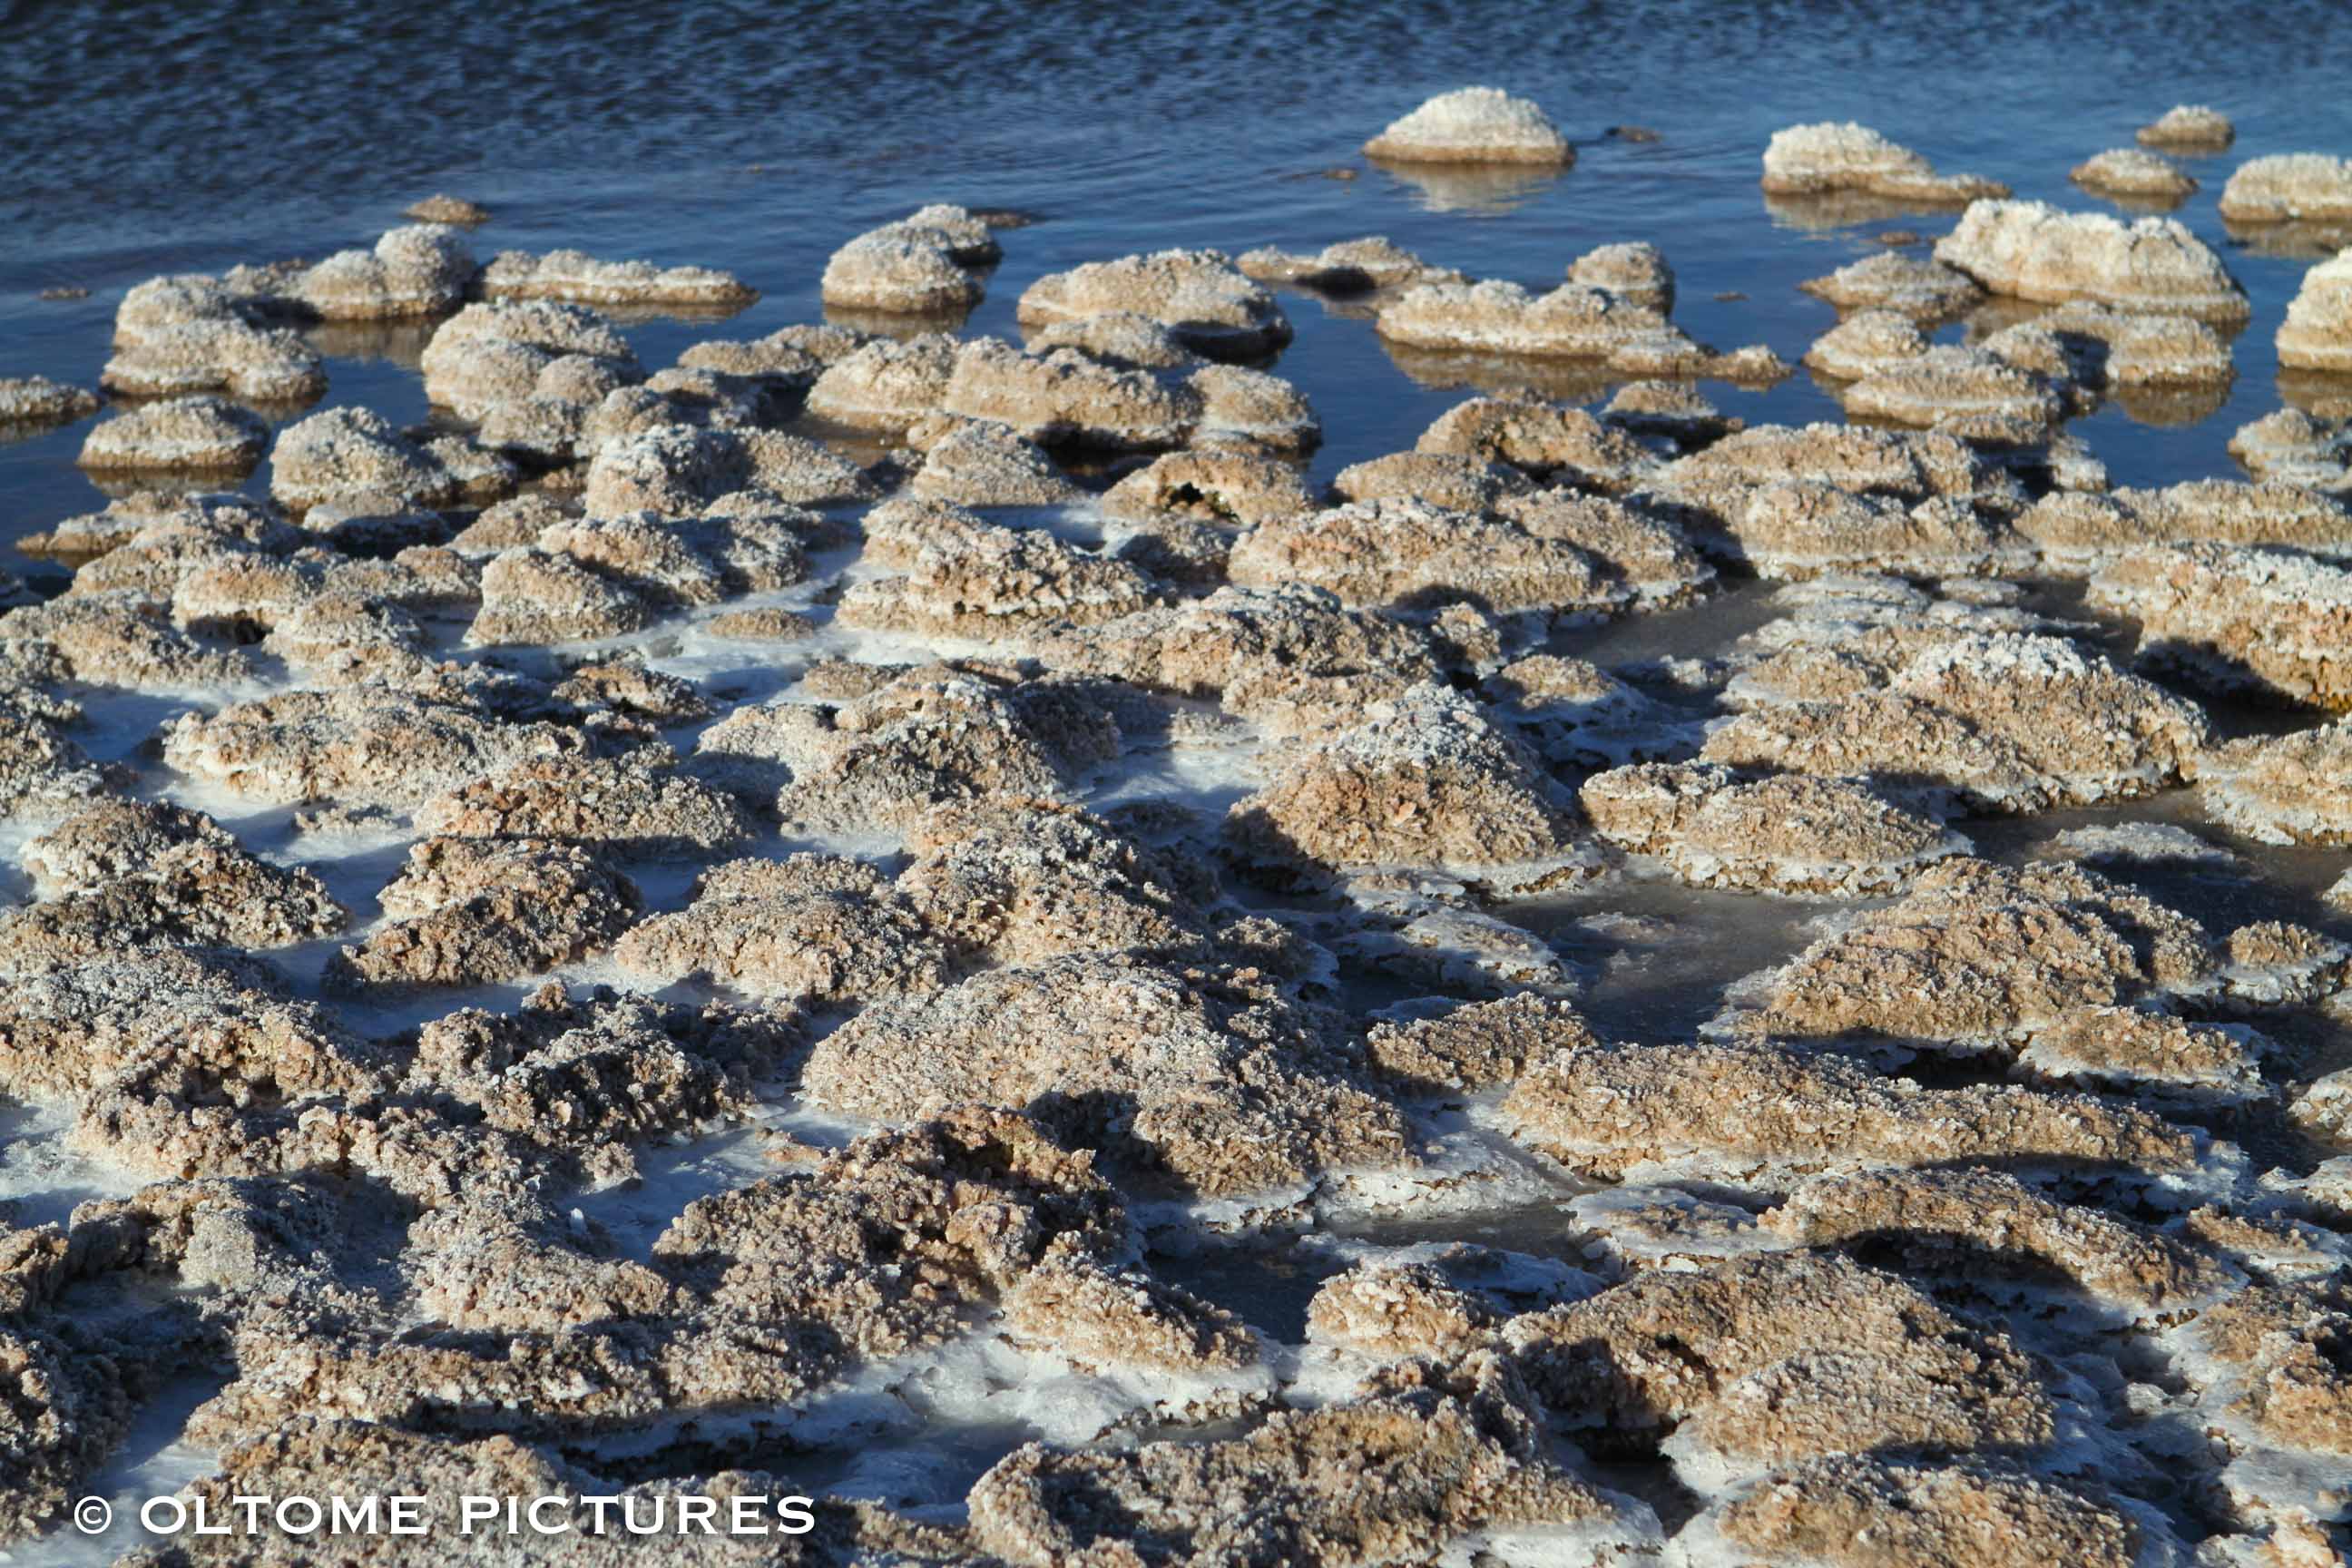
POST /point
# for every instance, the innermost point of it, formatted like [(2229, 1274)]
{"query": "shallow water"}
[(146, 139)]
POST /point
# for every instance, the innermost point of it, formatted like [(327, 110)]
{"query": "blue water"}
[(142, 139)]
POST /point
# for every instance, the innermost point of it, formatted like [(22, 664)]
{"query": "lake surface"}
[(146, 139)]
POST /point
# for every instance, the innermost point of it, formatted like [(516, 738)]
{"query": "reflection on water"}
[(1490, 188)]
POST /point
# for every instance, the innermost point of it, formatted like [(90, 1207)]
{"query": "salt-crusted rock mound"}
[(1199, 295), (2277, 1391), (1448, 1459), (1720, 481), (2004, 721), (966, 578), (1767, 1361), (1065, 399), (2269, 621), (1221, 487), (120, 638), (530, 373), (978, 462), (355, 455), (1473, 125), (633, 807), (1205, 1078), (896, 743), (2295, 448), (1971, 393), (678, 468), (2078, 534), (1575, 556), (1455, 481), (2317, 331), (2034, 251), (1786, 834), (443, 208), (1981, 1224), (606, 577), (2294, 788), (467, 911), (1827, 158), (1345, 267), (1574, 321), (361, 745), (422, 270), (200, 435), (180, 335), (2082, 347), (1636, 271), (1479, 1044), (1979, 958), (2190, 127), (1425, 780), (1869, 1513), (1804, 530), (820, 930), (1925, 290), (582, 279), (1203, 647), (36, 400), (887, 385), (1547, 440), (2290, 186), (125, 874), (1610, 1111), (2127, 172), (1869, 340), (921, 265)]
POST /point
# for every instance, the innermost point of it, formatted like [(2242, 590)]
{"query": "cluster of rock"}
[(629, 940)]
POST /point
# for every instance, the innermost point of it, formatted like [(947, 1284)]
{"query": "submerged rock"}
[(2034, 251), (1473, 125), (1825, 158)]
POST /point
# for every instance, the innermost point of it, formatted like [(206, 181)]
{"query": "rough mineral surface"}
[(1208, 1079), (2292, 447), (1574, 321), (1823, 159), (2078, 534), (2317, 331), (1608, 1110), (467, 911), (582, 279), (2190, 127), (37, 400), (2004, 721), (1981, 957), (1473, 125), (2294, 788), (204, 434), (1425, 780), (1849, 1513), (1786, 834), (2289, 186), (630, 807), (1914, 286), (2127, 172), (2239, 618), (1199, 294), (2035, 251)]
